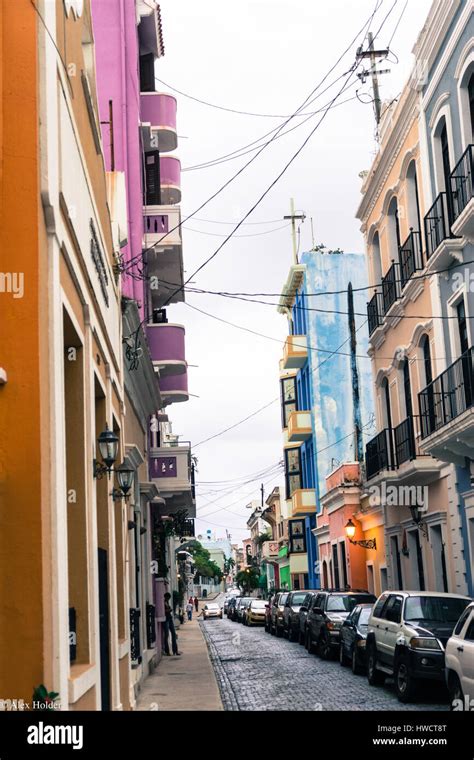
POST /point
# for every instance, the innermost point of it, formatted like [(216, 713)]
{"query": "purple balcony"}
[(159, 110), (170, 178), (174, 388), (167, 349)]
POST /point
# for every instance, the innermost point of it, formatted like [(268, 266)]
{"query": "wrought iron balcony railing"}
[(437, 224), (379, 454), (391, 286), (411, 257), (375, 312), (462, 182), (393, 447), (448, 395), (135, 649), (150, 625)]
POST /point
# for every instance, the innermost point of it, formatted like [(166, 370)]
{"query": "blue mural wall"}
[(329, 374)]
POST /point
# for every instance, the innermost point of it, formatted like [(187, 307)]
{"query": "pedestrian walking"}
[(196, 604), (169, 628), (189, 609)]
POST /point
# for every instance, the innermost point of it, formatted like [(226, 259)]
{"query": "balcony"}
[(167, 348), (172, 470), (174, 389), (161, 227), (395, 281), (159, 111), (295, 352), (162, 242), (170, 180), (303, 502), (299, 427), (411, 257), (462, 193), (446, 410), (270, 550), (395, 455)]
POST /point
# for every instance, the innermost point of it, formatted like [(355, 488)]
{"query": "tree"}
[(205, 566), (229, 563), (247, 580)]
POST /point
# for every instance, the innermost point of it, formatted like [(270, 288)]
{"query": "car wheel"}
[(342, 656), (324, 647), (374, 676), (309, 644), (405, 684), (356, 666), (455, 690)]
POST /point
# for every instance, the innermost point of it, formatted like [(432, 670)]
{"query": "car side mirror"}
[(303, 609), (317, 610)]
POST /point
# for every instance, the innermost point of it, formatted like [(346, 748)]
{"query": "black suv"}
[(291, 613), (326, 615)]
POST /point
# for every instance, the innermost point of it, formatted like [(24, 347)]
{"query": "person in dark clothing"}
[(196, 604), (169, 628)]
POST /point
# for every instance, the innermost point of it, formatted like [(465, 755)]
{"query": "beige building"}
[(410, 492)]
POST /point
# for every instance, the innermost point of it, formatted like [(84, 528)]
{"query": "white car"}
[(211, 610), (460, 662)]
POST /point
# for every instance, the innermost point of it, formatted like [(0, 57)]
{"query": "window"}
[(293, 471), (393, 609), (376, 261), (461, 621), (335, 564), (470, 632), (152, 178), (407, 388), (288, 399), (425, 347), (398, 579), (413, 201), (297, 537), (462, 326), (378, 609), (342, 545), (470, 92), (394, 230), (386, 403), (147, 73)]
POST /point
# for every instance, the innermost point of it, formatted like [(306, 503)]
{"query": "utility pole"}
[(373, 55), (294, 216), (356, 416), (262, 491)]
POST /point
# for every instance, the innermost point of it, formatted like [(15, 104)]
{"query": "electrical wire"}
[(254, 234)]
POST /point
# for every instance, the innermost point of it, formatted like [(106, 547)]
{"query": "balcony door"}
[(466, 359), (386, 403), (407, 388), (152, 178), (446, 167)]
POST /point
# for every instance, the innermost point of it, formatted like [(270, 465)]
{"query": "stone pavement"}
[(186, 682), (256, 671)]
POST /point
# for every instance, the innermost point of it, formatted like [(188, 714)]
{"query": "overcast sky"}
[(262, 56)]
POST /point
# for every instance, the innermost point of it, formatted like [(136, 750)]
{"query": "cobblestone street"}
[(256, 671)]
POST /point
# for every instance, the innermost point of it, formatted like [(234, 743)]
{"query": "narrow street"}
[(256, 671)]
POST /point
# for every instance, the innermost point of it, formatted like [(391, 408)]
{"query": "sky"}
[(263, 57)]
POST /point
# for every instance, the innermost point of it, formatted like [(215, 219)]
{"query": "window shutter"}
[(147, 73), (152, 178)]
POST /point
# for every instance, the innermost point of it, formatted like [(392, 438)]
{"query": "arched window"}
[(407, 388), (376, 261), (394, 240), (470, 94), (426, 350), (386, 407), (413, 200)]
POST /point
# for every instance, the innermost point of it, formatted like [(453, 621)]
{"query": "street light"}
[(125, 477), (416, 517), (108, 446), (369, 543)]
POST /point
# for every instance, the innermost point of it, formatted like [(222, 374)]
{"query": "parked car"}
[(407, 635), (254, 614), (242, 603), (211, 610), (231, 608), (354, 638), (459, 661), (326, 615), (291, 614), (303, 614), (226, 604), (277, 608), (268, 612)]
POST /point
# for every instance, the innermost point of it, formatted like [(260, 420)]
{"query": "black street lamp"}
[(369, 543), (108, 446), (125, 477), (416, 517)]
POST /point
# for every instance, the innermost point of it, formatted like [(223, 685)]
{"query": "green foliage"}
[(203, 563), (43, 697), (248, 580)]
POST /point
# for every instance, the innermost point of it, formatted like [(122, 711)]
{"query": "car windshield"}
[(212, 606), (346, 602), (364, 615), (258, 604), (282, 599), (298, 599), (437, 609)]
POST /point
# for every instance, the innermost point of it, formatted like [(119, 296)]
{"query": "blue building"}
[(317, 375), (445, 81)]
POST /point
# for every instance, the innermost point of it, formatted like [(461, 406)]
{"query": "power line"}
[(140, 258), (254, 234), (231, 427)]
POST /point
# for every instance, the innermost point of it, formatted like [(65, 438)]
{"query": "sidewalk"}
[(183, 683)]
